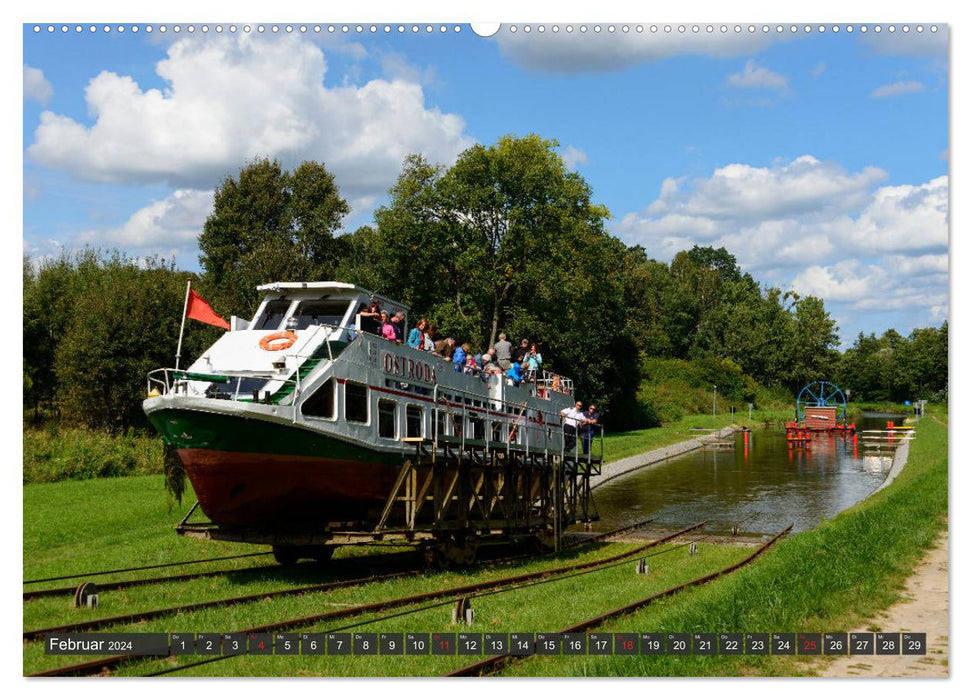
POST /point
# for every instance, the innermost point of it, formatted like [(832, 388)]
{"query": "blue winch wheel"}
[(818, 395)]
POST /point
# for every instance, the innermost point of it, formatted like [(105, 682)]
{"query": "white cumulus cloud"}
[(756, 77), (229, 99), (573, 157), (908, 87), (169, 225), (741, 192), (814, 227), (591, 52), (36, 87)]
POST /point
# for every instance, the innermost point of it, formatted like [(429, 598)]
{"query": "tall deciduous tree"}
[(123, 322), (267, 225), (507, 239)]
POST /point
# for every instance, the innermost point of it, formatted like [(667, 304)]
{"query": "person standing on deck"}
[(533, 362), (371, 319), (416, 337), (398, 323), (573, 419), (387, 329), (521, 352), (592, 419), (458, 357), (503, 353)]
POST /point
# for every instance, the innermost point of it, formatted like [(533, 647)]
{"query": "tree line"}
[(505, 240)]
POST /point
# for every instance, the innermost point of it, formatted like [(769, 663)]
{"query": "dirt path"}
[(923, 608)]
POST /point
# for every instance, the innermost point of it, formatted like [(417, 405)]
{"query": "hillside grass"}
[(832, 578)]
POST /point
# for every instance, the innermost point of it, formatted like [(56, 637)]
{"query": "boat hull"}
[(248, 471)]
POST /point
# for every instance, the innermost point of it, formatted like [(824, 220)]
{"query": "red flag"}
[(199, 309)]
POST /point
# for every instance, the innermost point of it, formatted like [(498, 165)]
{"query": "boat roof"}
[(341, 287)]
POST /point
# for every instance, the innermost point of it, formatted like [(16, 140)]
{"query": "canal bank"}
[(655, 457), (837, 576), (753, 486)]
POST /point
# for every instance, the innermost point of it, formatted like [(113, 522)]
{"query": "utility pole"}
[(714, 395)]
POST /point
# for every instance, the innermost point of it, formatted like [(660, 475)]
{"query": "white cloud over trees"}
[(811, 226), (229, 99)]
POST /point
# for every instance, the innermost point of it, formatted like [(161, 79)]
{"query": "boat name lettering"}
[(408, 369)]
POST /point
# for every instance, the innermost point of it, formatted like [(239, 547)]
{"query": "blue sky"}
[(819, 159)]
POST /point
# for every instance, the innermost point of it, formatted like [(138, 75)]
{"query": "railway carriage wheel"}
[(322, 555), (288, 555), (456, 548), (285, 556)]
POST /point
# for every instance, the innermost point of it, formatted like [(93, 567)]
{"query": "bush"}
[(672, 389), (54, 454)]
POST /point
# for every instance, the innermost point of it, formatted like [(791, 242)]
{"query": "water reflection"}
[(761, 484)]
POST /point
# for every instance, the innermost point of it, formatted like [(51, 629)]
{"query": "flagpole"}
[(185, 308)]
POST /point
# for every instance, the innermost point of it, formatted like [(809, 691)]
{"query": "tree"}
[(50, 287), (718, 260), (124, 322), (467, 244), (269, 225), (811, 347), (507, 239)]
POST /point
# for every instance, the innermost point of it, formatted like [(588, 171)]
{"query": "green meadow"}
[(832, 578)]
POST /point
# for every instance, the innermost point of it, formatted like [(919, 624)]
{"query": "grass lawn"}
[(828, 579)]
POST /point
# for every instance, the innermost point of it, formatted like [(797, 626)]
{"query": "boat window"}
[(386, 418), (355, 402), (320, 404), (496, 431), (272, 316), (320, 312), (413, 421), (443, 422), (244, 387), (477, 426)]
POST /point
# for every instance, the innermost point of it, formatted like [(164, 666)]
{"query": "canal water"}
[(761, 487)]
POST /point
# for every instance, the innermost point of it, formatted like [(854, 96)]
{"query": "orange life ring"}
[(288, 338)]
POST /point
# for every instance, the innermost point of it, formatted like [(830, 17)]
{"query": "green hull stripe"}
[(184, 429)]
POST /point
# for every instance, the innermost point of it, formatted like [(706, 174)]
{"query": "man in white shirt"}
[(573, 419)]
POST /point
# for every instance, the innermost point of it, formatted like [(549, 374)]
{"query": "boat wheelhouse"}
[(299, 417)]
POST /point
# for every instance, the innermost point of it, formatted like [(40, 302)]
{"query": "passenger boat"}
[(300, 416)]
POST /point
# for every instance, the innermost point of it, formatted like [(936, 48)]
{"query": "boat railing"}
[(513, 426), (169, 379), (541, 384), (553, 382)]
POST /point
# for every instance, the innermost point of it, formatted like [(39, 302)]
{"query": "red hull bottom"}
[(244, 488)]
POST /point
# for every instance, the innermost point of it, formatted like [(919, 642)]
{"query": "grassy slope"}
[(620, 445), (831, 578)]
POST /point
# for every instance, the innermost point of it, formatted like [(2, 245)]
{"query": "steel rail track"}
[(450, 601), (122, 585), (146, 568), (355, 562), (494, 663), (99, 665), (32, 635)]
